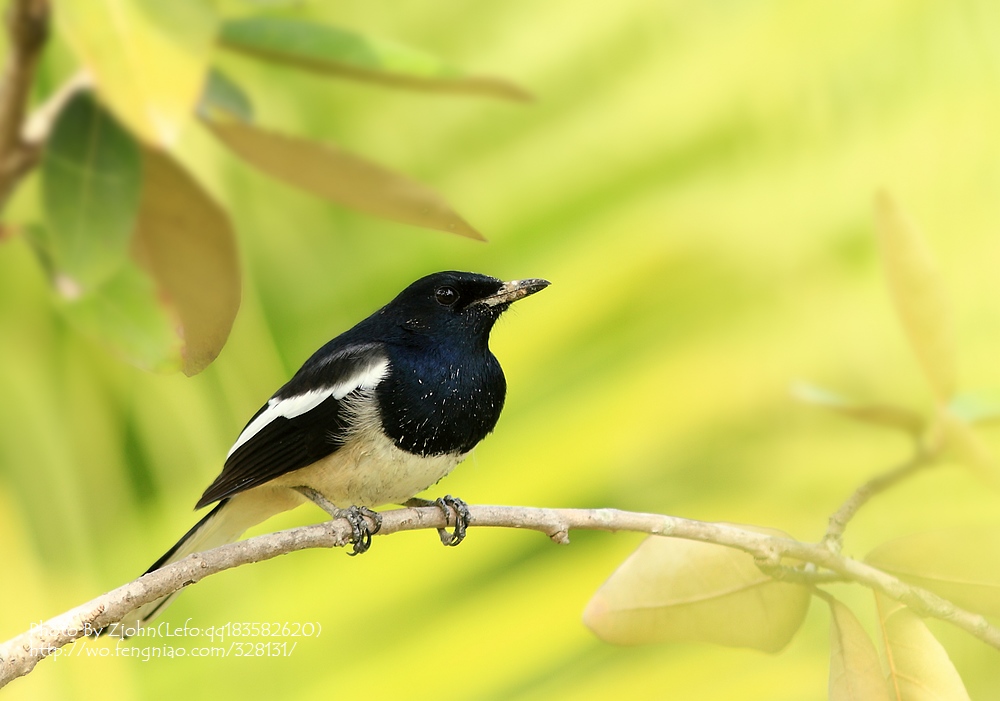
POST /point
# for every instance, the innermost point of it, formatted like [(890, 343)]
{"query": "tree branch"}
[(841, 517), (28, 28), (19, 655)]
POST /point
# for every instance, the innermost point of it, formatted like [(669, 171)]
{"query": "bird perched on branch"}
[(375, 416)]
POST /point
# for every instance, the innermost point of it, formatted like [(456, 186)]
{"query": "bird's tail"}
[(224, 524)]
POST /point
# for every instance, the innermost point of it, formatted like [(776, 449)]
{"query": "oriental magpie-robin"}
[(375, 416)]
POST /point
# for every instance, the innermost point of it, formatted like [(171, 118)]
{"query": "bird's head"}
[(458, 306)]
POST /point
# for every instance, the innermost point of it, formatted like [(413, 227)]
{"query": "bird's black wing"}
[(303, 422)]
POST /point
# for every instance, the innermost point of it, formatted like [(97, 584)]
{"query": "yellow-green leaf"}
[(918, 294), (960, 564), (340, 176), (870, 413), (186, 241), (917, 666), (346, 54), (855, 671), (91, 179), (965, 445), (126, 315), (673, 590), (148, 57)]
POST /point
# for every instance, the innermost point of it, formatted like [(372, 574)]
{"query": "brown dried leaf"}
[(186, 241), (340, 176)]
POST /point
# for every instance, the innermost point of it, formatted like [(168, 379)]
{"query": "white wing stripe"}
[(291, 407)]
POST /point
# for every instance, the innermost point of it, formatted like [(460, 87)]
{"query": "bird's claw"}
[(361, 531), (462, 518)]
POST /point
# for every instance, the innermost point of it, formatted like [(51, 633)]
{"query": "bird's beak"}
[(515, 290)]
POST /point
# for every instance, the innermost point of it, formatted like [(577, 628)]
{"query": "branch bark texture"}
[(19, 655), (27, 29)]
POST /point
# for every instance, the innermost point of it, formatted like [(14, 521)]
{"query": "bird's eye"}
[(446, 296)]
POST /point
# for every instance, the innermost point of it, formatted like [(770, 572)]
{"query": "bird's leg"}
[(446, 504), (361, 532)]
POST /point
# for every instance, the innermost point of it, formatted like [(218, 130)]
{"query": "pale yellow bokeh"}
[(696, 179)]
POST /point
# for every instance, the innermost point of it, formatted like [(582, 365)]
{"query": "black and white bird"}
[(375, 416)]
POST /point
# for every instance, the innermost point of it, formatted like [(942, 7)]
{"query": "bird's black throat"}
[(445, 402)]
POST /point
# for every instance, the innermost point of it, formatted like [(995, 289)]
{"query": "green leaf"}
[(39, 238), (877, 414), (346, 54), (171, 303), (148, 57), (855, 671), (918, 668), (976, 408), (674, 590), (223, 98), (186, 241), (126, 315), (918, 294), (91, 179), (340, 176), (960, 564)]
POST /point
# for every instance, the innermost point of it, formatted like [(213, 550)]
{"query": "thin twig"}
[(19, 655), (27, 28), (841, 517)]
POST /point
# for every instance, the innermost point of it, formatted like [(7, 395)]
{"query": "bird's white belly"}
[(369, 470)]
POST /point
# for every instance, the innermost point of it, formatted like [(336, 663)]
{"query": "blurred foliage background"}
[(696, 179)]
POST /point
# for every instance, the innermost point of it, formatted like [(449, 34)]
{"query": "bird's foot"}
[(357, 516), (447, 503), (361, 531), (462, 518)]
